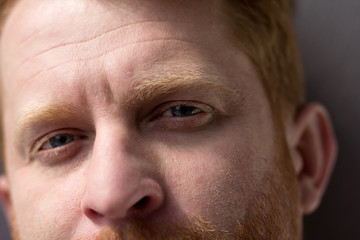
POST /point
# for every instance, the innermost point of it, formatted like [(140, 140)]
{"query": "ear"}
[(313, 149), (5, 197)]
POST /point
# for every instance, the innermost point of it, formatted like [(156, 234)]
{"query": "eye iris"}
[(61, 140), (183, 111)]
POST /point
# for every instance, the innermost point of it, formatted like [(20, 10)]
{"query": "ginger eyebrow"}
[(145, 88), (39, 114), (141, 90), (46, 112)]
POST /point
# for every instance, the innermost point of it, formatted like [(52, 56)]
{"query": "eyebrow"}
[(42, 113), (144, 87), (46, 112)]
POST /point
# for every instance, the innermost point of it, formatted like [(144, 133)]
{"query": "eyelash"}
[(160, 119), (56, 154)]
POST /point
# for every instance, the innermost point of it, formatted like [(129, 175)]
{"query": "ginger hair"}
[(263, 29)]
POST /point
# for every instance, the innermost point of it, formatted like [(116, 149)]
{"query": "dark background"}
[(329, 38)]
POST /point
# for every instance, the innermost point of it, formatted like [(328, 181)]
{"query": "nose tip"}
[(130, 201)]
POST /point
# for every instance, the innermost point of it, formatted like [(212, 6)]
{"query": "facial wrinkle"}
[(44, 29), (35, 75), (84, 41)]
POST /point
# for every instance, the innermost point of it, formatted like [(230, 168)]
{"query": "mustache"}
[(196, 229)]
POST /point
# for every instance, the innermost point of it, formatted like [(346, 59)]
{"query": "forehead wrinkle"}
[(43, 29), (104, 54), (84, 41)]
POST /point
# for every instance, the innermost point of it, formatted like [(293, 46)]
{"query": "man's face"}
[(137, 112)]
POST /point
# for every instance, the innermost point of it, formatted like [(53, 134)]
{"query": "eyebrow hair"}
[(47, 112), (144, 87), (42, 113)]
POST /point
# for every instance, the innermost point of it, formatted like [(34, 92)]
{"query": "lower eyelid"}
[(39, 144), (179, 123), (51, 156)]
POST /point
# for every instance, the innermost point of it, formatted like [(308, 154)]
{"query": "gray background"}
[(329, 36)]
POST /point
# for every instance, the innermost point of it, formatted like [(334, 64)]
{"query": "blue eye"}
[(182, 111), (59, 140)]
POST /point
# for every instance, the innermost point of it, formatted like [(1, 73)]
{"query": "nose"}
[(119, 182)]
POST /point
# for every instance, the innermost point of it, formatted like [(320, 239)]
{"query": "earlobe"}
[(5, 197), (313, 148)]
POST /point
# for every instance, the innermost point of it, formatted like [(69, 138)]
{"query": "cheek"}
[(217, 181), (45, 206)]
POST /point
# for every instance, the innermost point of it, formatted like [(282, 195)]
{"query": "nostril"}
[(91, 213), (142, 203), (140, 198), (94, 213)]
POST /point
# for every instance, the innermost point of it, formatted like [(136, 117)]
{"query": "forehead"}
[(38, 27), (57, 37), (39, 32), (35, 18)]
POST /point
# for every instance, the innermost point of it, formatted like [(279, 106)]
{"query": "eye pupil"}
[(61, 140), (183, 111)]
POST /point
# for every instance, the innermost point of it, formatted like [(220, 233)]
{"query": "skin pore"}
[(140, 120)]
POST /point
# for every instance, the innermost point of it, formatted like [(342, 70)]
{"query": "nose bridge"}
[(119, 182)]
